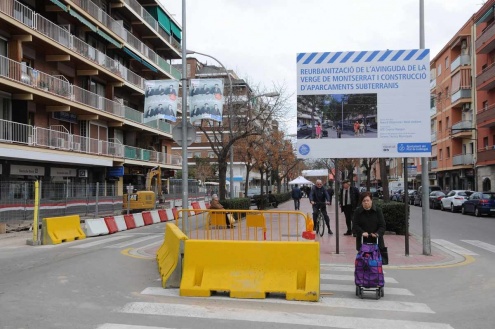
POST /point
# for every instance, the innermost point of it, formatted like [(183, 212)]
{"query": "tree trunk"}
[(222, 178)]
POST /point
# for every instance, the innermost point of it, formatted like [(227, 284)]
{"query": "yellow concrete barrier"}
[(251, 269), (167, 256), (62, 229)]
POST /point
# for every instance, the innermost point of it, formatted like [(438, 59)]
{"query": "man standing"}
[(348, 200), (296, 196), (319, 198), (330, 193)]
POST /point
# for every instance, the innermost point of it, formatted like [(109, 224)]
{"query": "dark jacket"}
[(296, 193), (370, 221), (354, 195), (318, 195)]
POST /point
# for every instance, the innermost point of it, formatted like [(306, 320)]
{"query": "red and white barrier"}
[(95, 227)]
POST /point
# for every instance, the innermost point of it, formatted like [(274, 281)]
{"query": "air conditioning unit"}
[(77, 147)]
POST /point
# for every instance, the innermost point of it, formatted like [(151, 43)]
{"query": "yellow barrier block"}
[(217, 219), (251, 269), (62, 229), (167, 256)]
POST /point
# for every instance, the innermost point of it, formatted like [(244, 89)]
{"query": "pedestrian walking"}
[(348, 200), (296, 196), (368, 222), (330, 192), (339, 132)]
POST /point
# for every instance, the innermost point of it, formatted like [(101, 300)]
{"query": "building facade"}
[(72, 77)]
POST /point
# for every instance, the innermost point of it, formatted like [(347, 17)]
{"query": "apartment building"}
[(453, 122), (485, 93), (72, 76)]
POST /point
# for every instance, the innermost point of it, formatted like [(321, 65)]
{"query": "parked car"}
[(436, 199), (479, 203), (410, 196), (454, 200), (418, 197), (251, 193), (396, 195)]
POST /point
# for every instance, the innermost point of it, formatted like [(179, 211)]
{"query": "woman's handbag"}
[(384, 253), (231, 219)]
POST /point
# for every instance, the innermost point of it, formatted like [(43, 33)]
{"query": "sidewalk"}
[(395, 244)]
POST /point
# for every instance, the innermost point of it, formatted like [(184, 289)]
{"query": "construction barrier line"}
[(251, 269), (167, 255), (129, 221), (62, 229), (146, 215), (95, 227)]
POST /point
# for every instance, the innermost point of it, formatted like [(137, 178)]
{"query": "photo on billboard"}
[(160, 100), (337, 116), (357, 104), (206, 100)]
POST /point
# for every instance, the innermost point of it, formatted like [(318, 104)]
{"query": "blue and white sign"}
[(360, 104)]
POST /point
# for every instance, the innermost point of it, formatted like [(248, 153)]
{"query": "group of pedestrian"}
[(363, 219), (359, 128)]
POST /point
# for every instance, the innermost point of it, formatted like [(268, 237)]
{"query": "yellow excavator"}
[(145, 200)]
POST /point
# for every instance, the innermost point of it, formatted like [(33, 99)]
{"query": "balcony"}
[(463, 160), (433, 136), (460, 61), (462, 129), (433, 111), (486, 117), (56, 139), (486, 79), (486, 155), (433, 83), (463, 95), (15, 71), (433, 164), (486, 41)]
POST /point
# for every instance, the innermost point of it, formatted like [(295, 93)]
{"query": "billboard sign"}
[(206, 100), (360, 104), (160, 100)]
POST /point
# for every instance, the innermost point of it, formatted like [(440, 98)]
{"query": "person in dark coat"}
[(348, 200), (330, 192), (368, 222), (296, 196)]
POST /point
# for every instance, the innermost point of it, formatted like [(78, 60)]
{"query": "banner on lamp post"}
[(160, 100), (206, 100)]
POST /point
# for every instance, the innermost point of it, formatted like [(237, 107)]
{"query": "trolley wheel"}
[(361, 290), (382, 292), (357, 290), (377, 293)]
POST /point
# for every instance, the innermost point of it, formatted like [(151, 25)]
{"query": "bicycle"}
[(319, 221)]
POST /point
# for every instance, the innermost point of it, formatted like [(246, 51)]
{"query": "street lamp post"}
[(229, 104)]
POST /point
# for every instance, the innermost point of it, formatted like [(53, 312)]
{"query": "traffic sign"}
[(177, 134)]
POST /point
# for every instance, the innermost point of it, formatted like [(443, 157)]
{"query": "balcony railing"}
[(433, 111), (151, 21), (486, 114), (434, 136), (462, 125), (18, 133), (18, 72), (63, 37), (434, 164), (459, 61), (463, 159), (486, 35), (488, 74), (97, 13), (433, 83), (464, 92)]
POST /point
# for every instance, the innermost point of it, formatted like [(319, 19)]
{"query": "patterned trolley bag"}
[(368, 271)]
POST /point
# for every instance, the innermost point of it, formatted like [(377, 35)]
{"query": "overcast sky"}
[(259, 39)]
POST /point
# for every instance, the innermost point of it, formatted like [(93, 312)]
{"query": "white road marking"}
[(481, 244), (129, 243), (251, 315), (343, 277), (349, 288), (330, 268), (453, 247), (353, 303), (100, 241), (126, 326)]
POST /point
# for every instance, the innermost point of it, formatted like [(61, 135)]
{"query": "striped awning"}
[(82, 19)]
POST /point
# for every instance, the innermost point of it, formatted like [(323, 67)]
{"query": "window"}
[(446, 62), (198, 139), (439, 70), (189, 155), (197, 154), (447, 151), (447, 123), (211, 155), (440, 125), (485, 142), (440, 154), (485, 105)]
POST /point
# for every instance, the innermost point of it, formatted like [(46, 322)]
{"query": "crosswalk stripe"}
[(343, 277), (453, 247), (135, 241), (257, 315), (347, 287), (481, 244), (127, 326), (326, 268), (332, 302), (100, 241)]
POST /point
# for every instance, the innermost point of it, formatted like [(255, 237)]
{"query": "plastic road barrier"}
[(170, 214), (196, 207), (95, 227), (147, 218), (202, 204), (62, 229), (167, 256), (155, 217), (138, 219), (129, 221), (163, 215), (175, 213), (111, 224), (251, 269), (121, 225), (256, 221)]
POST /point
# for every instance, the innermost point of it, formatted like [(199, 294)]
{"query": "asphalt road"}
[(97, 283)]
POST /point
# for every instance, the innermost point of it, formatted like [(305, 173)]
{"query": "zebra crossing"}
[(338, 307)]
